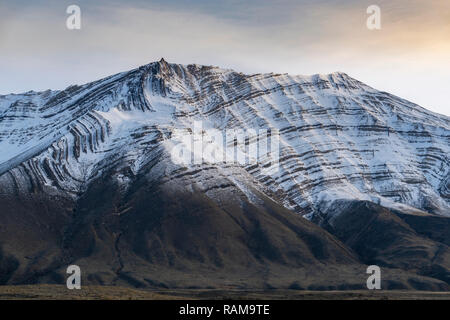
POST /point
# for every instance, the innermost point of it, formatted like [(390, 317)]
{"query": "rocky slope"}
[(338, 137), (92, 175)]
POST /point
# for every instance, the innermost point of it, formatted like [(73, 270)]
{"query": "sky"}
[(408, 56)]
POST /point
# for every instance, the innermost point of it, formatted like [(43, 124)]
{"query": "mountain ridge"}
[(90, 175), (159, 85)]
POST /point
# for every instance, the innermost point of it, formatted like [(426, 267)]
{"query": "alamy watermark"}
[(374, 280), (374, 20), (73, 21), (74, 280), (200, 145)]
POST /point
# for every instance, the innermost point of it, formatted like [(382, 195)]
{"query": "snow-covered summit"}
[(339, 138)]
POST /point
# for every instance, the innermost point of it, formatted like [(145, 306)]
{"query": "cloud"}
[(38, 52)]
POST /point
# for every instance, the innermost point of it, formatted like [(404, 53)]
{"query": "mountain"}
[(134, 178)]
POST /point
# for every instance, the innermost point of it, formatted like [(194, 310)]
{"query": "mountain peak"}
[(335, 106), (162, 62), (171, 167)]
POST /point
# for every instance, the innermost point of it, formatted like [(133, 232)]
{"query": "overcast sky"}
[(409, 56)]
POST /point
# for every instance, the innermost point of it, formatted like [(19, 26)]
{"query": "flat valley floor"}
[(58, 292)]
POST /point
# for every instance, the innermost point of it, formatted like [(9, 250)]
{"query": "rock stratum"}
[(89, 176)]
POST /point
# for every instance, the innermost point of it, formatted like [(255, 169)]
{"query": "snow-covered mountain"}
[(108, 176), (338, 138)]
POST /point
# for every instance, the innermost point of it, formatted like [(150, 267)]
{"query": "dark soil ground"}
[(58, 292)]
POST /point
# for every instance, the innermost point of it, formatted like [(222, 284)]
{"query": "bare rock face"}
[(89, 175)]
